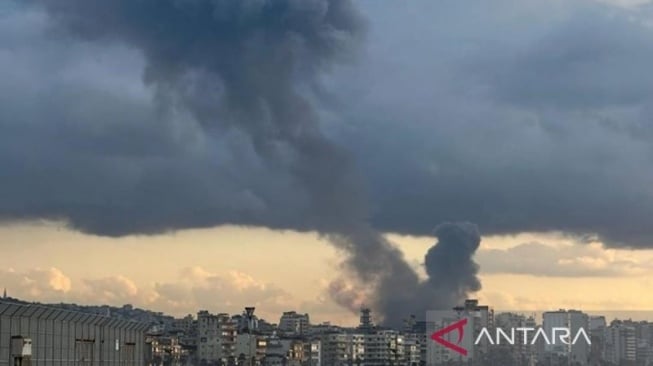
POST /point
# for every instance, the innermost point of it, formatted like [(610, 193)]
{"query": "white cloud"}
[(113, 290), (195, 288), (578, 260), (49, 283)]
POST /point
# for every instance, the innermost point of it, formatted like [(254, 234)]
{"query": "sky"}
[(123, 181), (223, 269)]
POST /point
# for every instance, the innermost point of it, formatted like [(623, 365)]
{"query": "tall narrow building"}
[(366, 324)]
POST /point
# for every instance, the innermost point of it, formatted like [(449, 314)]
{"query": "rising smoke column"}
[(451, 276), (451, 259), (241, 64)]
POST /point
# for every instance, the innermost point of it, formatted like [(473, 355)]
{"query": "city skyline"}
[(222, 338), (289, 320)]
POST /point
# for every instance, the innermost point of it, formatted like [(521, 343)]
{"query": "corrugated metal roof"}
[(49, 313)]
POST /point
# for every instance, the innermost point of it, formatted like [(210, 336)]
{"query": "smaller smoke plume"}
[(449, 264)]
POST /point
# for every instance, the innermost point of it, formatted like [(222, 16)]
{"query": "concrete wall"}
[(63, 338)]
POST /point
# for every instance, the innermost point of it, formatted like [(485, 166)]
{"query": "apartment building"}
[(217, 337)]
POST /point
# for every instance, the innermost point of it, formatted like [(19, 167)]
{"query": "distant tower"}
[(4, 294), (249, 316), (366, 320), (409, 324)]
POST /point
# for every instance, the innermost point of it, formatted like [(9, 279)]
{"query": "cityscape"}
[(221, 339), (326, 183)]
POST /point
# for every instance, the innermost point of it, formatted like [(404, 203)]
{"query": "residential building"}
[(577, 353), (383, 348), (251, 347), (164, 351), (314, 352), (292, 323), (621, 343), (217, 337), (343, 349)]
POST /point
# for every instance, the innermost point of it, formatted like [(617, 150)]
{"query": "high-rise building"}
[(521, 352), (412, 348), (216, 337), (314, 352), (644, 335), (251, 348), (343, 349), (477, 317), (384, 348), (597, 323), (293, 323), (185, 325), (480, 316), (366, 325), (577, 353), (620, 343)]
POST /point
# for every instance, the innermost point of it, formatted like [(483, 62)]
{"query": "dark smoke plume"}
[(451, 259), (242, 64), (451, 276)]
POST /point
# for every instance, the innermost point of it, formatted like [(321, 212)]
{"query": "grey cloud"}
[(433, 142), (593, 60), (454, 134)]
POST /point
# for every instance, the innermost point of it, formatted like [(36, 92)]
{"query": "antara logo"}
[(514, 336), (558, 335), (457, 326)]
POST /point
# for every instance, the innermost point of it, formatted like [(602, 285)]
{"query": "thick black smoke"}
[(243, 65), (452, 275)]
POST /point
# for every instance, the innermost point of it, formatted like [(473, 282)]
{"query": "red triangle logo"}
[(457, 326)]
